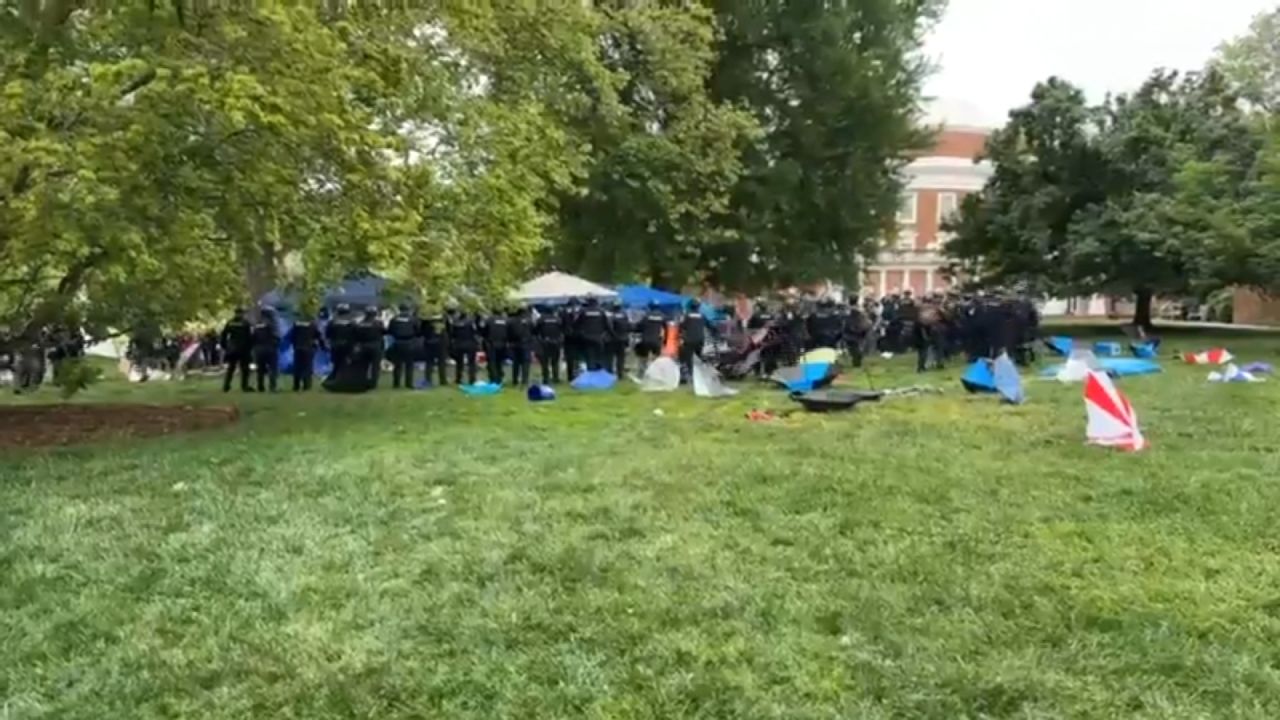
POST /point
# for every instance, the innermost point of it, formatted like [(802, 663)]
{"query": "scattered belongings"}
[(481, 389), (1108, 349), (1111, 419), (1082, 362), (1146, 349), (806, 376), (594, 380), (830, 400), (1259, 368), (758, 415), (662, 375), (541, 393), (1216, 356), (1124, 367), (706, 381), (1233, 374), (911, 391)]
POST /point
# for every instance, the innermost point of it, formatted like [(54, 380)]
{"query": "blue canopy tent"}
[(640, 296)]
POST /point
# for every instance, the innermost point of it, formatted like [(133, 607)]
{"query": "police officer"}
[(573, 346), (519, 345), (550, 334), (496, 339), (404, 331), (693, 335), (305, 339), (236, 340), (854, 330), (463, 335), (593, 328), (341, 335), (824, 326), (652, 327), (619, 340), (794, 331), (266, 349), (369, 333), (434, 332)]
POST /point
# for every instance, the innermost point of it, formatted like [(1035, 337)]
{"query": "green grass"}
[(428, 555)]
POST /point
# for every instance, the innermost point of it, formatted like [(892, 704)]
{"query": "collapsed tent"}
[(662, 375), (1111, 419), (1060, 344), (1124, 367), (979, 377), (1145, 350), (557, 288), (1259, 368), (481, 389), (352, 379), (1082, 362), (1107, 348), (706, 381), (834, 400), (806, 376), (1007, 381), (1216, 356), (594, 380), (1233, 374)]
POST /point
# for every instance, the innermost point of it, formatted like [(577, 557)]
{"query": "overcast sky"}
[(992, 52)]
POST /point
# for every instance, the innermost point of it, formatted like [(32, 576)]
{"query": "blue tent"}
[(1007, 381), (1060, 344), (594, 380), (806, 376), (639, 296), (1145, 350), (1107, 348), (980, 377), (481, 388), (1120, 367)]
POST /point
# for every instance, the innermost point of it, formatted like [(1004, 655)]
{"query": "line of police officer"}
[(582, 334)]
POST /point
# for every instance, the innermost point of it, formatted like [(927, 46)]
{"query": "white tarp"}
[(557, 287), (662, 375), (1079, 364), (706, 381)]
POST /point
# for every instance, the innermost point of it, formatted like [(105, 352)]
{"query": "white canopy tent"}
[(557, 287)]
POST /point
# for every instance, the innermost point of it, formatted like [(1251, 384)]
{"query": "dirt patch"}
[(36, 426)]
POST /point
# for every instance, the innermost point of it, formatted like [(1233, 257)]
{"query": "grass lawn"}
[(427, 555)]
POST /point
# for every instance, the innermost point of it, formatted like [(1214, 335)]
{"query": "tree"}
[(835, 87), (1252, 62), (1099, 199)]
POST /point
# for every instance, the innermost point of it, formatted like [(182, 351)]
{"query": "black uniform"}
[(854, 330), (519, 347), (403, 352), (593, 328), (266, 352), (573, 347), (618, 341), (824, 328), (369, 333), (693, 335), (495, 346), (462, 345), (550, 333), (341, 335), (795, 333), (305, 339), (433, 331), (236, 341), (652, 328)]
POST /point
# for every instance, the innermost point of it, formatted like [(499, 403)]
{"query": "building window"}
[(947, 203), (907, 210)]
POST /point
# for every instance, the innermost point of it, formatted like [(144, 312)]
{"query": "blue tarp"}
[(1116, 367), (481, 388), (1145, 350), (1107, 349), (1060, 344), (594, 380), (980, 377), (639, 296), (1007, 381), (805, 377)]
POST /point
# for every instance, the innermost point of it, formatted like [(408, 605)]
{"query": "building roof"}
[(958, 114)]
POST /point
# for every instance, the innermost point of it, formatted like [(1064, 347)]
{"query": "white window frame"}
[(909, 218), (955, 207)]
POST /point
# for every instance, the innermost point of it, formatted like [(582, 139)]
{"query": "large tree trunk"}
[(260, 273), (1142, 308)]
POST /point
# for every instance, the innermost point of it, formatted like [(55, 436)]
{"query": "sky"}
[(992, 52)]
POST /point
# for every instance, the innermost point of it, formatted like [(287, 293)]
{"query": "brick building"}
[(936, 183)]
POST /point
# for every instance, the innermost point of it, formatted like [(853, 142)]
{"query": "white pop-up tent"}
[(556, 287)]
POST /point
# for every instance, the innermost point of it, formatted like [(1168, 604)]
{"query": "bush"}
[(72, 376)]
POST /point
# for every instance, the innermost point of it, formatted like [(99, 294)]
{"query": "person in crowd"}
[(573, 345), (266, 349), (305, 339), (496, 342), (549, 331), (433, 332), (341, 336), (618, 341), (519, 344), (824, 326), (854, 329), (463, 337), (404, 332), (369, 333), (652, 328), (593, 327), (237, 341), (693, 336)]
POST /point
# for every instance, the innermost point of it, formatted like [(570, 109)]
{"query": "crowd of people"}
[(590, 335)]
